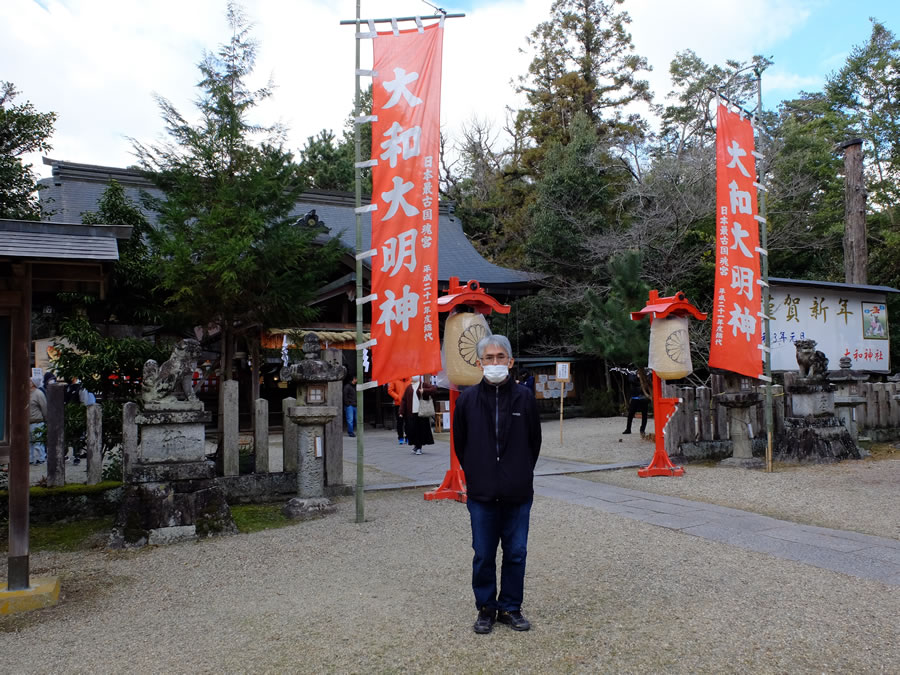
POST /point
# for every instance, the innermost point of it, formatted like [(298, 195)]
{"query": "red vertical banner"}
[(737, 325), (406, 103)]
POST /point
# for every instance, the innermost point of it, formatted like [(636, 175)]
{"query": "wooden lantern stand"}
[(471, 295), (664, 408)]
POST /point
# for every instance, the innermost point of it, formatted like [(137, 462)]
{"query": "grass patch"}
[(882, 450), (79, 535), (256, 517)]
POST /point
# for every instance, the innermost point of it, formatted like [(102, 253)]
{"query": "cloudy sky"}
[(98, 63)]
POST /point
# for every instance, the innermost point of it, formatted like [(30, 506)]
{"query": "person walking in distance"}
[(497, 438), (396, 389), (349, 395), (418, 428), (637, 403), (37, 417)]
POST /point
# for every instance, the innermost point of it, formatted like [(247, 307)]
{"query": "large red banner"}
[(736, 331), (406, 145)]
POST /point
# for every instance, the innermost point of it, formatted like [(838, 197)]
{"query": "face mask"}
[(496, 374), (415, 379)]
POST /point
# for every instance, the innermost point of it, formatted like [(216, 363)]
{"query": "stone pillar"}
[(311, 463), (230, 436), (778, 407), (261, 435), (289, 444), (94, 438), (334, 430), (129, 438), (56, 435)]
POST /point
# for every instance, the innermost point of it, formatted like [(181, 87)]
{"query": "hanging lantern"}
[(670, 347), (462, 333)]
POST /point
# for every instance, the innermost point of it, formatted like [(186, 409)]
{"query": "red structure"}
[(471, 295), (663, 408)]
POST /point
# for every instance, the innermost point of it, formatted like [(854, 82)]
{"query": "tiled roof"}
[(59, 241), (76, 188)]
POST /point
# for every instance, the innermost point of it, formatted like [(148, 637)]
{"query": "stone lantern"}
[(311, 414)]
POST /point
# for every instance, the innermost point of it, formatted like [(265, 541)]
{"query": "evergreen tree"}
[(583, 62), (230, 251), (608, 330), (22, 130)]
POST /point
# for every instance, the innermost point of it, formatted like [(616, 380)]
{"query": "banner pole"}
[(360, 375), (763, 244)]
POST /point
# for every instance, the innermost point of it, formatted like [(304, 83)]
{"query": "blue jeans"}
[(350, 416), (499, 523)]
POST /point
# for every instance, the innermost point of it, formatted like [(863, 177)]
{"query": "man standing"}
[(497, 438), (350, 405)]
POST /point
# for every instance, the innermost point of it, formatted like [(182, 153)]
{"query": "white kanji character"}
[(744, 322), (426, 241), (401, 140), (739, 234), (742, 279), (740, 200), (397, 88), (736, 152), (395, 198), (399, 251), (398, 310), (429, 161), (426, 187), (427, 214), (426, 228)]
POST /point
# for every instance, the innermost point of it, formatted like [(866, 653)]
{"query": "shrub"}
[(599, 403)]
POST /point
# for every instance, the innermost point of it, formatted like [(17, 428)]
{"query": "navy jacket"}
[(497, 439)]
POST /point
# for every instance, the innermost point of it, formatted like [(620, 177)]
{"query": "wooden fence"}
[(700, 417)]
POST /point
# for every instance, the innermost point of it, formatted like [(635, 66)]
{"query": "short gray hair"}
[(497, 340)]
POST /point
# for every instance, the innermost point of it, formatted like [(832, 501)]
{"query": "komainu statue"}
[(813, 364), (172, 382)]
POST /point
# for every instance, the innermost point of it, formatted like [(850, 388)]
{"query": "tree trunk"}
[(855, 248)]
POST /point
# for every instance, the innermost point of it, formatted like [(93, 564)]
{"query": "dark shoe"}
[(76, 461), (417, 451), (485, 622), (514, 620), (627, 431), (351, 435)]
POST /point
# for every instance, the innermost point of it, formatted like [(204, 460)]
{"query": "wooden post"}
[(93, 416), (56, 436), (855, 251), (18, 572), (704, 414)]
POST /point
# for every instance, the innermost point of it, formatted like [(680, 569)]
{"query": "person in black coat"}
[(637, 403), (497, 439)]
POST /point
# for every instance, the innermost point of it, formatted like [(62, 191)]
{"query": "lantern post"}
[(676, 350), (475, 297)]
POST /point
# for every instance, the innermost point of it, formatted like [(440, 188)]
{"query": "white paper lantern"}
[(670, 348), (462, 332)]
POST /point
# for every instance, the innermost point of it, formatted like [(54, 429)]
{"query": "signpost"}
[(562, 376)]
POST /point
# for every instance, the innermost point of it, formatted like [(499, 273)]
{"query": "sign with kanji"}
[(406, 144), (842, 321), (737, 325)]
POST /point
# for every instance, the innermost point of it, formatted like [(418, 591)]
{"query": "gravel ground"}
[(604, 593)]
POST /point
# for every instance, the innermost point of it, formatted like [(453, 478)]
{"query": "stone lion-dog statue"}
[(813, 364), (173, 381)]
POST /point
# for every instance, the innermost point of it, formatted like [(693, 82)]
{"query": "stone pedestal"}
[(846, 412), (812, 432), (171, 492), (310, 449), (738, 404)]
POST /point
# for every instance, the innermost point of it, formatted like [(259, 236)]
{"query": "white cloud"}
[(98, 62)]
